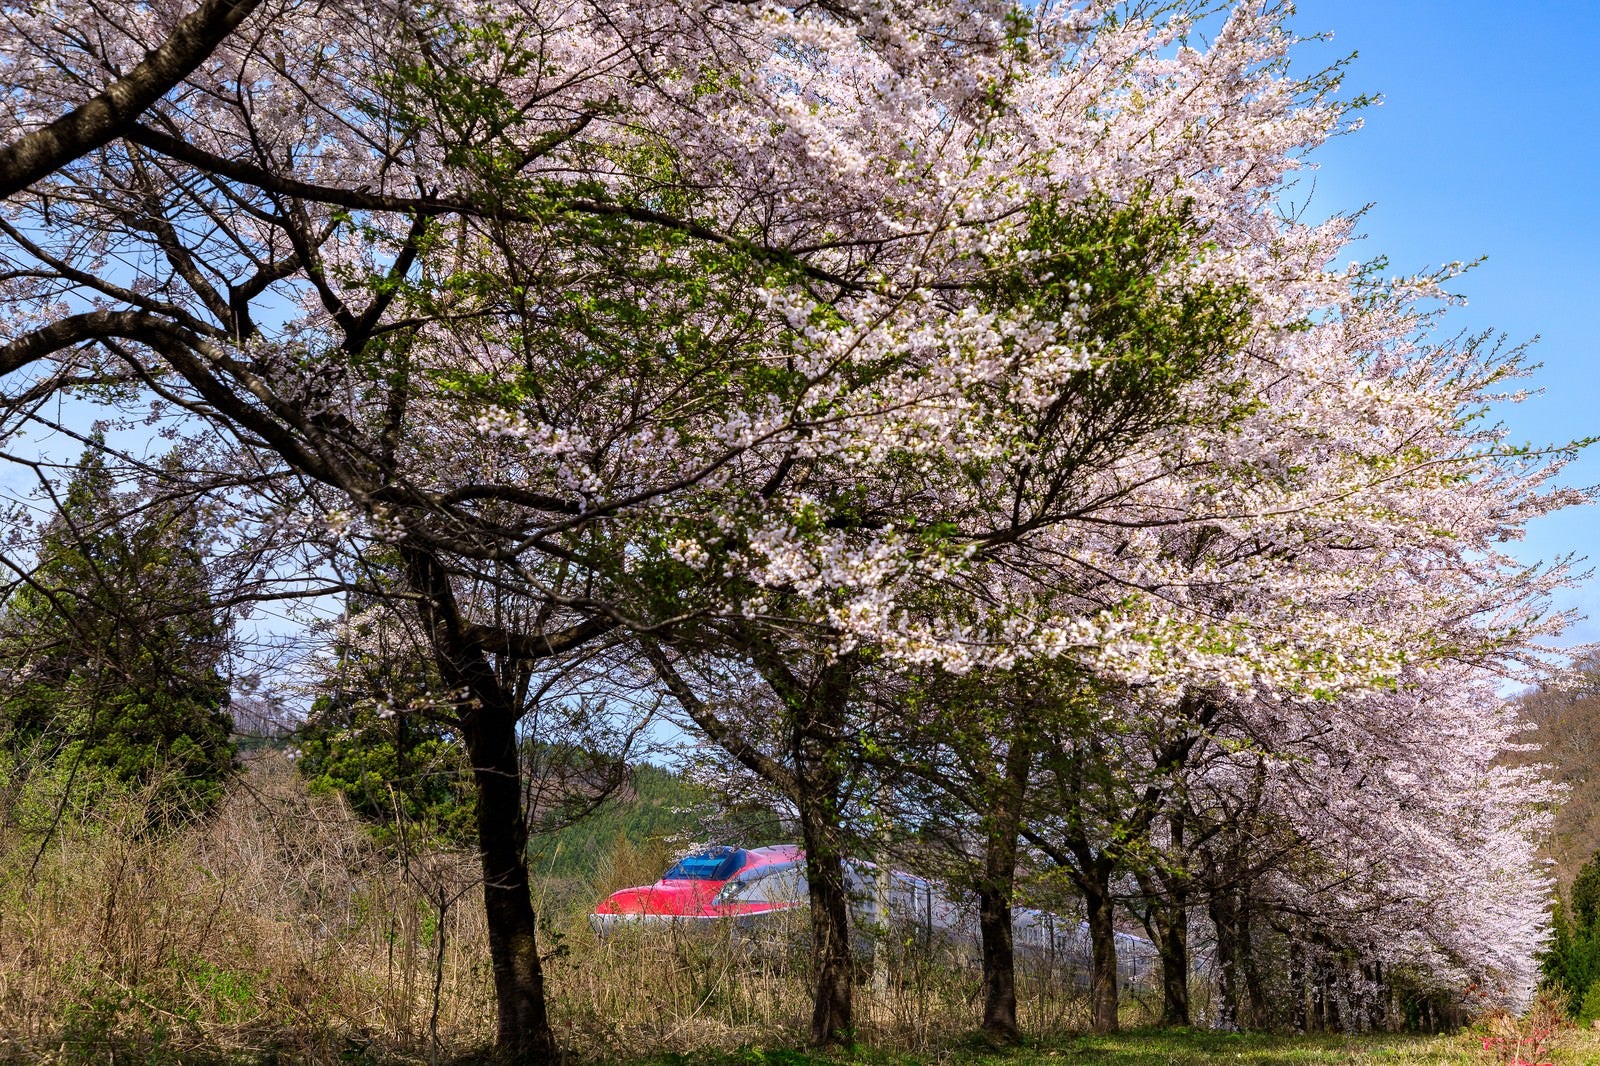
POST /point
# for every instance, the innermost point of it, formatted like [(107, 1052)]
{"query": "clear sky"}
[(1487, 143)]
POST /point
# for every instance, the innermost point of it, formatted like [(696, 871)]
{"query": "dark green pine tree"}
[(1571, 964), (111, 654), (369, 735), (404, 774)]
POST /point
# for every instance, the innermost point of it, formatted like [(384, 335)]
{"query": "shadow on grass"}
[(1143, 1047), (1152, 1047)]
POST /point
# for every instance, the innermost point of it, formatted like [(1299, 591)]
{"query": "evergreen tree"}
[(406, 775), (382, 732), (1571, 965), (370, 734), (111, 653)]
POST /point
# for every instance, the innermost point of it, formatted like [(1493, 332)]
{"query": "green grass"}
[(1170, 1048)]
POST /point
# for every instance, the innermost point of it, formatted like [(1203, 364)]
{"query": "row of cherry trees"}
[(1312, 861), (935, 399)]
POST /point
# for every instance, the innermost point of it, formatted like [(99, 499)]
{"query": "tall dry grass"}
[(276, 926), (272, 923), (681, 990)]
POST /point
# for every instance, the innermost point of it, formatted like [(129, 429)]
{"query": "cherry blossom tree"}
[(444, 198), (44, 143), (828, 336)]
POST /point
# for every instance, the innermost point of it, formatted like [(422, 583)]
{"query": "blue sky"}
[(1487, 143)]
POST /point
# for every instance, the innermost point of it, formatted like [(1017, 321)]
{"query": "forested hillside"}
[(1565, 737), (655, 813)]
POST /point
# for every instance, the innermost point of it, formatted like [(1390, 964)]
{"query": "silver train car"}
[(1060, 944), (768, 901)]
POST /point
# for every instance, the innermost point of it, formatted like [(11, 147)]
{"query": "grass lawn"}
[(1179, 1048)]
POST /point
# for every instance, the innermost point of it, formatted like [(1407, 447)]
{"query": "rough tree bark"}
[(999, 962), (524, 1026), (1226, 953), (488, 720), (101, 119), (833, 967), (995, 890), (817, 717), (1253, 1002), (1167, 920), (1171, 919), (1103, 991)]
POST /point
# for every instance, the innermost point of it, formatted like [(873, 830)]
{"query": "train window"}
[(780, 884), (717, 864)]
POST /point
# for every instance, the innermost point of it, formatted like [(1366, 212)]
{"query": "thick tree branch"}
[(66, 333), (754, 759), (97, 122), (533, 647)]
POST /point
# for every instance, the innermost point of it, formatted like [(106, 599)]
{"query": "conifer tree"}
[(112, 651), (369, 737), (1572, 963)]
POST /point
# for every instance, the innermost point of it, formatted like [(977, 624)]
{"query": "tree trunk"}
[(833, 968), (1327, 996), (1167, 921), (489, 728), (1172, 928), (818, 713), (1172, 942), (995, 892), (1297, 1019), (524, 1027), (1377, 999), (1253, 1002), (816, 707), (999, 964), (1103, 944), (1319, 999), (1227, 958), (1335, 1018)]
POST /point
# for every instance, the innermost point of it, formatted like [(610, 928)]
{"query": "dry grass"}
[(276, 928), (273, 923), (701, 990), (698, 991)]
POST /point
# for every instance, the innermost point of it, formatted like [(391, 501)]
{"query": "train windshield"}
[(717, 865)]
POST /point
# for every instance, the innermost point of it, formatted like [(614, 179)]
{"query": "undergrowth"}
[(276, 926), (276, 930)]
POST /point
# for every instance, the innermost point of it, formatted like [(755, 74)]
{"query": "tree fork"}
[(489, 727)]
